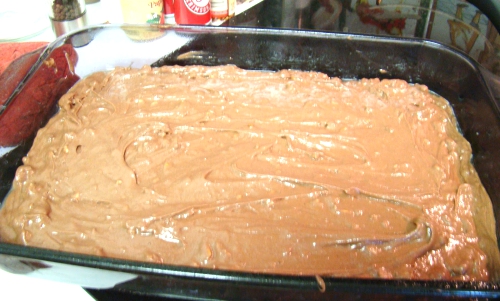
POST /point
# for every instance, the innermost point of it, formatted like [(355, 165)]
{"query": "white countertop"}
[(19, 287), (28, 20)]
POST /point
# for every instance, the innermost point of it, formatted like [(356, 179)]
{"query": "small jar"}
[(67, 15), (142, 12)]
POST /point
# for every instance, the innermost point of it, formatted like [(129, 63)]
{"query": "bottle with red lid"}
[(222, 9), (168, 10)]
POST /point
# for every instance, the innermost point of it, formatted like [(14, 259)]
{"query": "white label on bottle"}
[(219, 5), (231, 7)]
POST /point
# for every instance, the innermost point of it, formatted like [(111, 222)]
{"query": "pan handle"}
[(491, 8)]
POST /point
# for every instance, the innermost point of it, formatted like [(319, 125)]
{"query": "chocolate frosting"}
[(284, 172)]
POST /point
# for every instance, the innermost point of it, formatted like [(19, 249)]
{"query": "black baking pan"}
[(469, 88)]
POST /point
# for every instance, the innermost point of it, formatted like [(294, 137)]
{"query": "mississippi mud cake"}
[(285, 172)]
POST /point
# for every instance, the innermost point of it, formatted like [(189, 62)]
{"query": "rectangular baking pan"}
[(470, 89)]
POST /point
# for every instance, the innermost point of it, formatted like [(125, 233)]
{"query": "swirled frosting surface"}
[(280, 172)]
